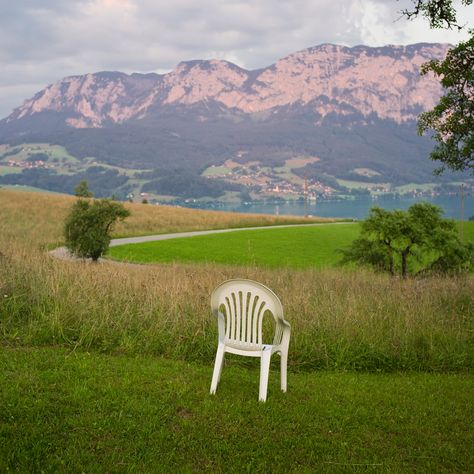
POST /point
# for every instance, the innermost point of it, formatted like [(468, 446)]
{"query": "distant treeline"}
[(185, 184), (197, 138), (105, 182)]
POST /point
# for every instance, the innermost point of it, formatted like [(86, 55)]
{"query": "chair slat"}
[(259, 317), (228, 319), (239, 316)]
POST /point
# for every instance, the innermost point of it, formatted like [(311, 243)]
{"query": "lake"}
[(355, 209)]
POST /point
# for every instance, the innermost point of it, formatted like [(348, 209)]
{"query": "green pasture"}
[(294, 247), (9, 170), (410, 187), (31, 189), (77, 411), (27, 149), (358, 184), (366, 172), (216, 171)]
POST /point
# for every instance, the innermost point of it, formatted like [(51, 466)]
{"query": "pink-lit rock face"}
[(328, 78), (93, 99)]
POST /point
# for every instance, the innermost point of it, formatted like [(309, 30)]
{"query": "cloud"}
[(43, 41)]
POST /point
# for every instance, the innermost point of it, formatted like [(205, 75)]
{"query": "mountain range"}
[(347, 108)]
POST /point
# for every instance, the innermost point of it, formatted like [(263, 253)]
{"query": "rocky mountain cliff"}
[(348, 107), (333, 79)]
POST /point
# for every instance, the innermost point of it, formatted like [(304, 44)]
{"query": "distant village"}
[(268, 183), (288, 186), (278, 183), (29, 164)]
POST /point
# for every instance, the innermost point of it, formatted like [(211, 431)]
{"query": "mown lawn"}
[(66, 411), (294, 247)]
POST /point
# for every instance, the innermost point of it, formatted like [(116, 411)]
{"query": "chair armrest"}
[(286, 333), (220, 325)]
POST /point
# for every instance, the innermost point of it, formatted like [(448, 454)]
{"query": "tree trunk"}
[(404, 261)]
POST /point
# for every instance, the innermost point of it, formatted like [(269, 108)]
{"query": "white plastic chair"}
[(240, 307)]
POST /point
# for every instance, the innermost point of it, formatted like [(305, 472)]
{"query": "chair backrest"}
[(243, 304)]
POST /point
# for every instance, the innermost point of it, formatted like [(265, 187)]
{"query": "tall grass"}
[(38, 218), (340, 319)]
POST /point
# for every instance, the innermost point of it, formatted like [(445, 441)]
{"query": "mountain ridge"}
[(349, 107), (326, 70)]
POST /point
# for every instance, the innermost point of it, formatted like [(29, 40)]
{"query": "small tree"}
[(410, 242), (82, 190), (88, 225)]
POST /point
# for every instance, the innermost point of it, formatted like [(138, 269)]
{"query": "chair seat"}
[(247, 349)]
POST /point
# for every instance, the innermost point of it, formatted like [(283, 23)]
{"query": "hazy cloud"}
[(44, 40)]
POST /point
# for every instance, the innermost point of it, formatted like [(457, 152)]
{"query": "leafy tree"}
[(452, 120), (82, 189), (87, 227), (410, 242)]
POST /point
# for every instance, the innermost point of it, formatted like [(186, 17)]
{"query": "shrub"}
[(87, 227), (82, 189)]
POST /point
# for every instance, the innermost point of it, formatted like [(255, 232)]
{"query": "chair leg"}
[(283, 370), (264, 372), (216, 375)]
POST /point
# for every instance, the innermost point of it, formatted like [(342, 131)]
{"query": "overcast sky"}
[(42, 41)]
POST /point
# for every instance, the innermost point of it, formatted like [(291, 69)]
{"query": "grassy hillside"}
[(38, 218)]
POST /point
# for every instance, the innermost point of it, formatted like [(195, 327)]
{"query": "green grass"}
[(106, 367), (366, 172), (9, 170), (406, 188), (358, 184), (54, 151), (31, 189), (63, 162), (216, 171), (468, 227), (84, 412), (297, 247)]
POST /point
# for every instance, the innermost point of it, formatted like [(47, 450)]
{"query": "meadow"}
[(106, 367), (303, 247), (315, 246)]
